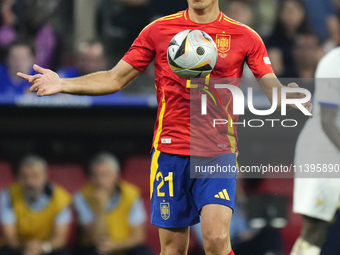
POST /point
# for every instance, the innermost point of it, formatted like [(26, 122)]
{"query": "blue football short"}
[(176, 198)]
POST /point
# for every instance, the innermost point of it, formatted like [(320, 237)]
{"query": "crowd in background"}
[(81, 36), (36, 214)]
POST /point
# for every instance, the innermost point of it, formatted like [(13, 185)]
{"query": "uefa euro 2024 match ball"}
[(192, 53)]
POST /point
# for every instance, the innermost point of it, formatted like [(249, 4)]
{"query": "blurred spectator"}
[(35, 214), (265, 13), (84, 18), (7, 19), (90, 58), (166, 7), (291, 21), (239, 11), (20, 58), (29, 18), (117, 26), (306, 54), (325, 22), (110, 211)]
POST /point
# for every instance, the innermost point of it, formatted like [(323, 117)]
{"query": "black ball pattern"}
[(200, 51)]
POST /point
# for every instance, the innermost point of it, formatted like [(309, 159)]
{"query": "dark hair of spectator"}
[(279, 27)]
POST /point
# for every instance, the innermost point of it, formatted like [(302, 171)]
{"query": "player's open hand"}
[(308, 105), (45, 83)]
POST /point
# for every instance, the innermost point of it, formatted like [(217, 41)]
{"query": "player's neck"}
[(206, 15)]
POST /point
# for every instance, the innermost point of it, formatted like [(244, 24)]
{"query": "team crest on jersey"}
[(223, 44), (165, 211)]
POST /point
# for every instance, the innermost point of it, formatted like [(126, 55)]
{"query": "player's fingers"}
[(35, 87), (39, 69), (24, 76), (40, 92), (34, 78)]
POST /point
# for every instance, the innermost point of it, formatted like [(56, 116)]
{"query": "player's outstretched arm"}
[(270, 81), (48, 82)]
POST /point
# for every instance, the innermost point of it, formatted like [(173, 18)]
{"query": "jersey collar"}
[(219, 18)]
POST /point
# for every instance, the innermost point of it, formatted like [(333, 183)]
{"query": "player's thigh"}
[(172, 205), (221, 190), (174, 240), (215, 199)]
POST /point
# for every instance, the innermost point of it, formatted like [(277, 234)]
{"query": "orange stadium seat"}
[(6, 174), (136, 170), (71, 176), (6, 178)]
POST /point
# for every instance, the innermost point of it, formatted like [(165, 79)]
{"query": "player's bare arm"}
[(270, 81), (48, 82), (328, 116)]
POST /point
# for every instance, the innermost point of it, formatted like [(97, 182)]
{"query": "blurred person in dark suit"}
[(292, 20), (116, 24), (307, 53), (110, 212), (90, 57), (35, 214), (325, 22), (240, 11)]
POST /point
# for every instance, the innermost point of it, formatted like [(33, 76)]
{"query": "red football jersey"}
[(174, 131)]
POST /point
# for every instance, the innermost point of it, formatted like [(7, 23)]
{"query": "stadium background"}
[(68, 135)]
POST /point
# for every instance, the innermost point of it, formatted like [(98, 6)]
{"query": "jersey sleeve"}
[(142, 51), (257, 56)]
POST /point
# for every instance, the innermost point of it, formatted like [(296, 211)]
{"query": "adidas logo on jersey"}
[(223, 195)]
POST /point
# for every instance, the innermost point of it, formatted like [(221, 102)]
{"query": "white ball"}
[(192, 53)]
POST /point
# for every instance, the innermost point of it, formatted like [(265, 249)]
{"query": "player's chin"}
[(197, 4)]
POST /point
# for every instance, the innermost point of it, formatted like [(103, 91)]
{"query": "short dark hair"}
[(32, 159)]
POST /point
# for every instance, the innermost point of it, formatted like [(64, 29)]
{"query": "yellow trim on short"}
[(153, 171), (237, 165)]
